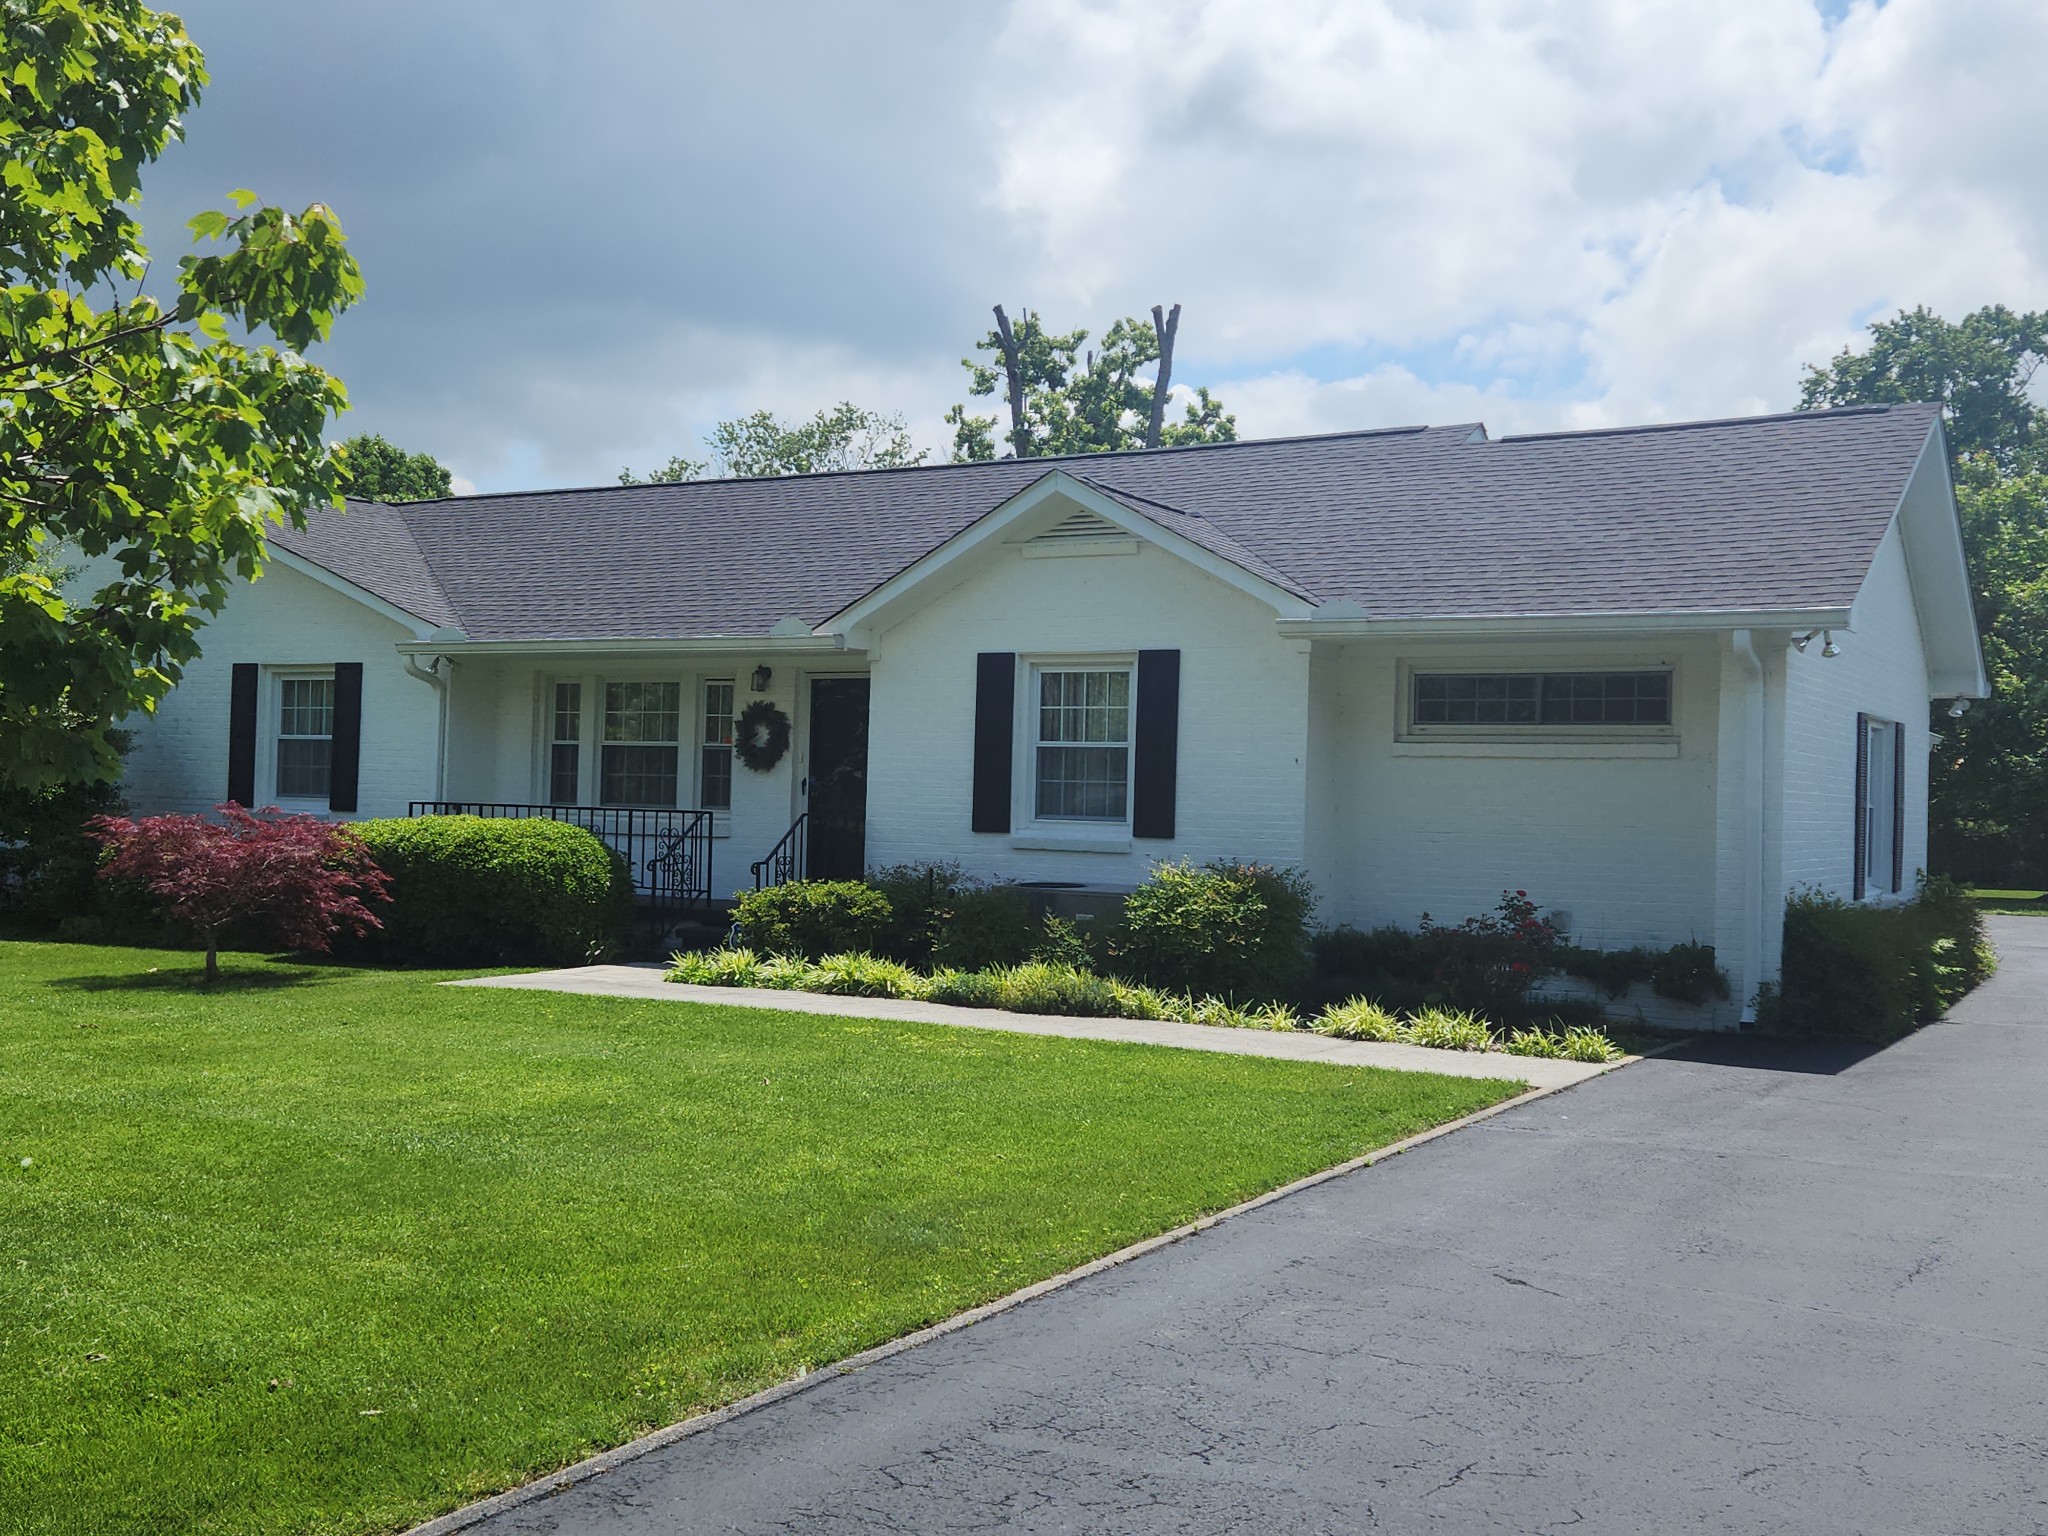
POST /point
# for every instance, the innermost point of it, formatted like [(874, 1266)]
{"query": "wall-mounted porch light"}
[(762, 677)]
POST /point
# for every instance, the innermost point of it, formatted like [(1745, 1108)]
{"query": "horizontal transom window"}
[(1538, 699)]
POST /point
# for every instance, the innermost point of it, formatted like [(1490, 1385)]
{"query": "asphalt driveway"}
[(1749, 1289)]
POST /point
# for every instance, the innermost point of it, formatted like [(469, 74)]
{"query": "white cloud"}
[(1290, 403), (1563, 211), (590, 236)]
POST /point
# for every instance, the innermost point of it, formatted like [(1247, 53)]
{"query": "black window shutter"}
[(1862, 798), (242, 735), (995, 714), (345, 761), (1898, 807), (1155, 740)]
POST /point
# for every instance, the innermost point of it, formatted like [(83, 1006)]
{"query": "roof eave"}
[(1700, 620), (624, 645), (1938, 570)]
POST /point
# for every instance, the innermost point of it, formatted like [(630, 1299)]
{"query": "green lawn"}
[(335, 1250), (2022, 903)]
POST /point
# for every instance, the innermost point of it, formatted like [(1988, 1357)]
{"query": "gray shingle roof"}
[(1417, 523), (373, 548)]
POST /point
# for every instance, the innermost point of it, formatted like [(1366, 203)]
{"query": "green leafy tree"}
[(760, 446), (1979, 368), (1065, 398), (1989, 819), (135, 433), (677, 468), (375, 470), (844, 437)]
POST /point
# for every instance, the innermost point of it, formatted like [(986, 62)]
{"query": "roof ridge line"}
[(1150, 501), (908, 469), (1833, 412)]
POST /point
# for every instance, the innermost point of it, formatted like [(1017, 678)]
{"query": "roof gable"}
[(1939, 571), (372, 549), (1063, 507)]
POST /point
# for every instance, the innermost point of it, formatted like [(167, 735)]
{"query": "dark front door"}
[(838, 835)]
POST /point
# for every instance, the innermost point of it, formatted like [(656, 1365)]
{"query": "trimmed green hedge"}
[(984, 926), (476, 890), (1236, 931), (1855, 972), (811, 919)]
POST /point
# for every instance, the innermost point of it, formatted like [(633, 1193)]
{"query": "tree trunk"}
[(1163, 326), (1013, 370), (212, 957)]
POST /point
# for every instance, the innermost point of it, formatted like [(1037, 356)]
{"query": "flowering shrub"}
[(1488, 963), (292, 880)]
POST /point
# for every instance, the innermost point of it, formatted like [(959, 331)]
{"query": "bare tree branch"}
[(1163, 326), (1013, 369)]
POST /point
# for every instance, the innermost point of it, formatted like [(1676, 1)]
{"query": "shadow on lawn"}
[(180, 979)]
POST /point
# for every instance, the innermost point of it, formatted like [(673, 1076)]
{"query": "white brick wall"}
[(180, 758), (1243, 711), (1882, 671), (1625, 844)]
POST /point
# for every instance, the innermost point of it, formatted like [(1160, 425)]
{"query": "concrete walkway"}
[(644, 981)]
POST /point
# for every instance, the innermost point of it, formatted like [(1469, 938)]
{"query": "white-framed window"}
[(565, 744), (1513, 702), (1080, 736), (1878, 811), (714, 768), (642, 744), (305, 737)]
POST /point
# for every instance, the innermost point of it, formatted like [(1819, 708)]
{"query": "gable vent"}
[(1079, 525)]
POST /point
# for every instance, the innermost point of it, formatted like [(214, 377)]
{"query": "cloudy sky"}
[(591, 231)]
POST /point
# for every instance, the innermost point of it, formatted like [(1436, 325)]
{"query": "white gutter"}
[(1752, 841), (432, 675), (724, 644), (1355, 624)]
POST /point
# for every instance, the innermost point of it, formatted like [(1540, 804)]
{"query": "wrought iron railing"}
[(668, 852), (785, 861)]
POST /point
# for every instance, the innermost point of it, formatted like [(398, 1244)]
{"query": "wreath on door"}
[(761, 735)]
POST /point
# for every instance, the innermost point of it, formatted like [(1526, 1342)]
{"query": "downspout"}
[(1752, 821), (432, 675)]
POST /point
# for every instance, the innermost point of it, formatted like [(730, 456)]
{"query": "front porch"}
[(640, 744)]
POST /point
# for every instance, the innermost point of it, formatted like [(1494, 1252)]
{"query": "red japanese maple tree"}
[(291, 880)]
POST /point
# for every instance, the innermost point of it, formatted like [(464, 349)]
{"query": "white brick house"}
[(1658, 678)]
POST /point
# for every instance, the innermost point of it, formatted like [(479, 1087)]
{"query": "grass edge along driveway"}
[(327, 1250)]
